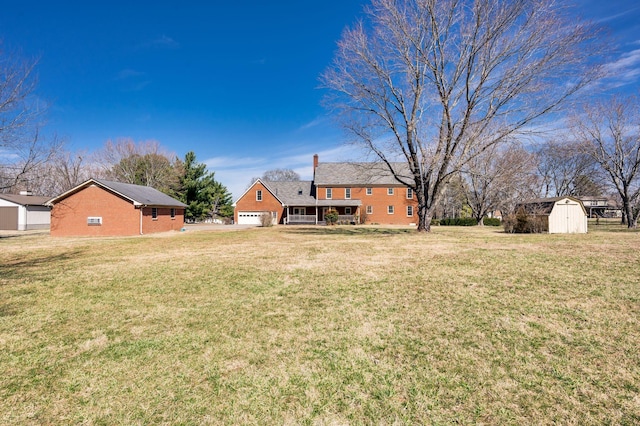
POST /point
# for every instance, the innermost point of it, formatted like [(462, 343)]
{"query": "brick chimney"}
[(315, 165)]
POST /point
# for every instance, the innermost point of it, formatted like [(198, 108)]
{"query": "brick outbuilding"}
[(104, 208)]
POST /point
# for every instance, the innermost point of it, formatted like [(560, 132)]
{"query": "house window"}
[(347, 194), (329, 193), (390, 209), (389, 191), (409, 211), (409, 193), (259, 195), (347, 210), (93, 220), (369, 209), (154, 213), (299, 210), (173, 213), (369, 191)]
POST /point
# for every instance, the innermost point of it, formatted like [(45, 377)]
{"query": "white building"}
[(24, 212), (565, 215)]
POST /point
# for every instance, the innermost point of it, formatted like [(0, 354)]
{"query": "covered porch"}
[(348, 212)]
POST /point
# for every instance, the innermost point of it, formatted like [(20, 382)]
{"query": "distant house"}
[(104, 208), (359, 192), (601, 206), (24, 212), (562, 215)]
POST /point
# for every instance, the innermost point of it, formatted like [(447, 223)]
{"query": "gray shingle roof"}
[(142, 194), (138, 194), (296, 193), (25, 200), (327, 174)]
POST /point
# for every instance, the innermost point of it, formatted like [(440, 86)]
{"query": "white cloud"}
[(624, 70), (236, 172)]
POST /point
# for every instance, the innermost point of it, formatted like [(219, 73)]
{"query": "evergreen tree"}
[(200, 191)]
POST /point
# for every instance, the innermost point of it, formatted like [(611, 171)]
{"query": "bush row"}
[(465, 221)]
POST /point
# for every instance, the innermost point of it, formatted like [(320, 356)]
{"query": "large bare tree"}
[(499, 178), (436, 82), (23, 147), (565, 169), (610, 134)]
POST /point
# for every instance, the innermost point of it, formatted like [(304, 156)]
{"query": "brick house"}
[(359, 192), (103, 208)]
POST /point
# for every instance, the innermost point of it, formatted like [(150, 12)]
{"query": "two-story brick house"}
[(359, 192)]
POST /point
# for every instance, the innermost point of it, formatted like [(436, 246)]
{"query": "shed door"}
[(8, 218)]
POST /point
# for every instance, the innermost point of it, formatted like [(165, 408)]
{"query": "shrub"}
[(266, 219), (459, 221), (331, 217), (435, 222), (491, 221), (524, 223)]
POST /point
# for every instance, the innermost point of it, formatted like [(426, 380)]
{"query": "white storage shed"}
[(565, 215)]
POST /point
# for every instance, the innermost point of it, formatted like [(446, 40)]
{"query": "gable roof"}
[(298, 193), (25, 200), (544, 206), (139, 195), (359, 174)]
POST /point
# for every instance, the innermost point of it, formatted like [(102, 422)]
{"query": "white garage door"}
[(250, 218)]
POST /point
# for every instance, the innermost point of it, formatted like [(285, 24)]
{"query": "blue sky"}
[(235, 82)]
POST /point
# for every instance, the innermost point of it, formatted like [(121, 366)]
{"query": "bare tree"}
[(610, 134), (565, 169), (62, 172), (281, 175), (142, 163), (276, 175), (435, 82), (498, 178), (23, 147)]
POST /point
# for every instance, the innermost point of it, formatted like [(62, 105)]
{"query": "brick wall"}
[(379, 201), (249, 203), (163, 222)]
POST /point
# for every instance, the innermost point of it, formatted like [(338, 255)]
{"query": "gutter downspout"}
[(141, 207)]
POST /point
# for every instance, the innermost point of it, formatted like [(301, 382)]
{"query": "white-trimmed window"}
[(409, 194), (259, 195), (390, 209), (173, 213), (347, 210), (409, 211), (389, 191), (347, 194), (369, 209), (369, 191), (154, 213), (329, 193), (94, 220)]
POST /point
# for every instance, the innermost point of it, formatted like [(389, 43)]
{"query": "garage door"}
[(8, 218), (250, 218)]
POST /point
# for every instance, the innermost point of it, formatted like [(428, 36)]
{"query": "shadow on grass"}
[(347, 230), (34, 267)]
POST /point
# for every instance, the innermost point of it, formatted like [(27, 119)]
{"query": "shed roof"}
[(544, 206), (359, 174), (139, 195), (25, 200)]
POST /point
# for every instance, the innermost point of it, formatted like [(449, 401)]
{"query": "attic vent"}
[(94, 220), (299, 191)]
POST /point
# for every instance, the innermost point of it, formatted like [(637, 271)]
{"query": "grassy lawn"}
[(305, 325)]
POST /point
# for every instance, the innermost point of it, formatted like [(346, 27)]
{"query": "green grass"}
[(322, 325)]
